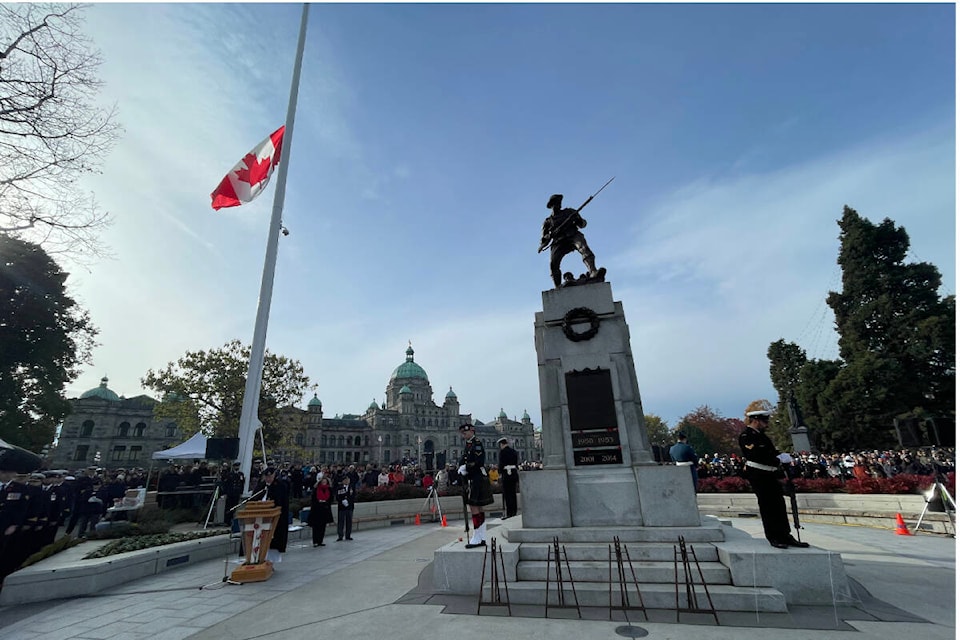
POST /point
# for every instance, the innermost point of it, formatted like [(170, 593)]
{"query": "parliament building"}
[(110, 431), (407, 427)]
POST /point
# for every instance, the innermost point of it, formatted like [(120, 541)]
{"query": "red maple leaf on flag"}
[(256, 172)]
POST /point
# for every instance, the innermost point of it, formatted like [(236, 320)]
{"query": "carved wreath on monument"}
[(580, 315)]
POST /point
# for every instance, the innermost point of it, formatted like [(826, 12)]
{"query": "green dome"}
[(409, 369), (373, 405), (405, 389), (315, 402), (502, 414), (526, 416), (451, 394), (101, 392)]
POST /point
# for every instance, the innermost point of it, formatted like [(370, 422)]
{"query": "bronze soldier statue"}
[(561, 232)]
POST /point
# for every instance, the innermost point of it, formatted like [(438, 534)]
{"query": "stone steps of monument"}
[(714, 573), (600, 552), (708, 532), (654, 596)]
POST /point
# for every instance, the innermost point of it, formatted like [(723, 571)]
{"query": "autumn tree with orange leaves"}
[(709, 432)]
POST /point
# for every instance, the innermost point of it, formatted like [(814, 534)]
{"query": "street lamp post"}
[(379, 449), (419, 442)]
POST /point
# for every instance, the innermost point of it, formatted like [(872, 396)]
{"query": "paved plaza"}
[(904, 588)]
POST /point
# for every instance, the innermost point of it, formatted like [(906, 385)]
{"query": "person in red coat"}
[(320, 513)]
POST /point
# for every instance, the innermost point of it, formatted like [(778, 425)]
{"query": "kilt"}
[(477, 491)]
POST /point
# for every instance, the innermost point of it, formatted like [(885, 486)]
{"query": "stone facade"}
[(123, 431), (408, 426)]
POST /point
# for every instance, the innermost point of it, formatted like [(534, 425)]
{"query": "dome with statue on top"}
[(409, 369), (101, 392)]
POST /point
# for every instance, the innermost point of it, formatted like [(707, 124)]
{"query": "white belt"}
[(684, 464), (507, 467), (764, 467)]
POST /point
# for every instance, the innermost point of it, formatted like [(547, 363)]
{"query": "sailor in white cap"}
[(763, 471)]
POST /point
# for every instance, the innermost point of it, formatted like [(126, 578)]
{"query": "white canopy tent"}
[(193, 449)]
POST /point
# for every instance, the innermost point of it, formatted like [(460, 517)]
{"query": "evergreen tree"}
[(44, 337), (786, 362), (897, 357)]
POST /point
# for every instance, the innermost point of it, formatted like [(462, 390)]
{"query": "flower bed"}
[(137, 543), (900, 484)]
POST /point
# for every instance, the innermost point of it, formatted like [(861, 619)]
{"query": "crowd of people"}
[(843, 465)]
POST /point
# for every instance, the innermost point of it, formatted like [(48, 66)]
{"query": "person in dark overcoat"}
[(320, 512), (278, 491)]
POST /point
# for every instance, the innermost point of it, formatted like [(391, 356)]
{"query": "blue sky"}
[(428, 139)]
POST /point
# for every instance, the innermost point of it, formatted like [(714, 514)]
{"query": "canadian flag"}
[(251, 175)]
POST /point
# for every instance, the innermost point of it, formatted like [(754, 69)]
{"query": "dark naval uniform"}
[(14, 511), (763, 472), (509, 479), (477, 487)]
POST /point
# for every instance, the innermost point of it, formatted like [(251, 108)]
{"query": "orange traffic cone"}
[(416, 519), (443, 521), (902, 527)]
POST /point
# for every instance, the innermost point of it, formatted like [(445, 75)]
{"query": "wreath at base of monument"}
[(578, 316)]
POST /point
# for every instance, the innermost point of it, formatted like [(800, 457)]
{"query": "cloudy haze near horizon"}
[(428, 139)]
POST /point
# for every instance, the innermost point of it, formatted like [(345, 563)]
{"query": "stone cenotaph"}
[(598, 467)]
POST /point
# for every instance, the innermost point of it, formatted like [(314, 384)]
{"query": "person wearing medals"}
[(476, 490)]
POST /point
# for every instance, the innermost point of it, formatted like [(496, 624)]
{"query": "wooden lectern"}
[(258, 523)]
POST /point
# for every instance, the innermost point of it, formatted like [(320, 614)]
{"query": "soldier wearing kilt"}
[(477, 492)]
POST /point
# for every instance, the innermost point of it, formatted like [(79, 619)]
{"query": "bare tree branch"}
[(52, 131)]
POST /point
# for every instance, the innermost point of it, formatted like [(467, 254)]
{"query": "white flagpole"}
[(251, 393)]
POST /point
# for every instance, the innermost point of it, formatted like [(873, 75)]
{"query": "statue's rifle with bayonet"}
[(570, 219)]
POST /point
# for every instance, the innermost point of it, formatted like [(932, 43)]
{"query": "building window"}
[(340, 444), (171, 430), (356, 456), (81, 453), (118, 452), (323, 441), (123, 430), (86, 430), (135, 453), (406, 438), (299, 439), (386, 455), (139, 429), (366, 441), (356, 441), (386, 440)]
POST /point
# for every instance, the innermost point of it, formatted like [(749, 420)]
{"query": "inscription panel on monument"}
[(598, 456), (605, 438), (590, 400), (594, 436)]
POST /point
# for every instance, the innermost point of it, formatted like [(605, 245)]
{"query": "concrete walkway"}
[(373, 585)]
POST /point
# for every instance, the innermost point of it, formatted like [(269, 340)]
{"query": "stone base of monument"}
[(600, 481), (741, 573)]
